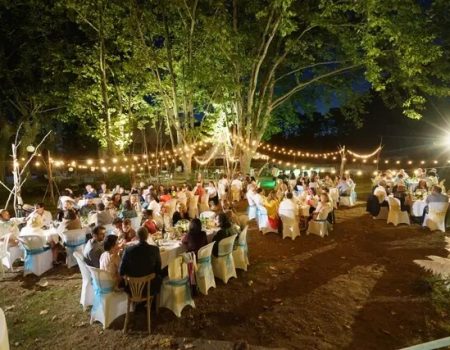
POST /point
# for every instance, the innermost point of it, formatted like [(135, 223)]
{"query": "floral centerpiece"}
[(182, 226), (420, 194)]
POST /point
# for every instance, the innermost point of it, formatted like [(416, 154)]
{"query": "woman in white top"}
[(324, 207), (212, 193), (110, 260)]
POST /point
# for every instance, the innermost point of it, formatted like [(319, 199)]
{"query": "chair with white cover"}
[(4, 341), (74, 241), (4, 253), (92, 218), (240, 254), (395, 215), (435, 218), (204, 274), (334, 196), (136, 222), (209, 215), (204, 203), (171, 206), (87, 291), (346, 201), (291, 225), (319, 225), (383, 214), (38, 257), (138, 295), (235, 193), (108, 304), (193, 207), (223, 264), (176, 289), (262, 219)]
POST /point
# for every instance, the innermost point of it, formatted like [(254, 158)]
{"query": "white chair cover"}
[(4, 341), (87, 291), (223, 265), (4, 252), (395, 215), (291, 226), (418, 208), (14, 253), (38, 259), (383, 214), (204, 274), (175, 289), (74, 240), (263, 219), (136, 222), (107, 304), (171, 207), (319, 226), (240, 254), (435, 219), (235, 193), (193, 207), (334, 195), (204, 203), (109, 229), (346, 201), (92, 219)]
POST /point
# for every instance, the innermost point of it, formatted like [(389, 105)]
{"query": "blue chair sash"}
[(184, 282), (98, 293), (28, 264), (204, 264), (72, 245), (228, 260)]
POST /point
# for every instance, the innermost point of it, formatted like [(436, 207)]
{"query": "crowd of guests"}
[(421, 185)]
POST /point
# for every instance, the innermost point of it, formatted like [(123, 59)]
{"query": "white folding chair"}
[(346, 201), (193, 207), (223, 264), (107, 304), (291, 225), (395, 215), (435, 218), (334, 195), (38, 258), (4, 341), (175, 289), (240, 254), (204, 274), (87, 291), (383, 214), (319, 226), (4, 252), (74, 240)]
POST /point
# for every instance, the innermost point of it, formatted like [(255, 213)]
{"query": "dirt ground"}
[(358, 288)]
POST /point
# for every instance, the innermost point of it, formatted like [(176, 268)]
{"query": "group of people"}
[(422, 185)]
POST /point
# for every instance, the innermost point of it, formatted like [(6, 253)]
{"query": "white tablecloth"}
[(418, 207)]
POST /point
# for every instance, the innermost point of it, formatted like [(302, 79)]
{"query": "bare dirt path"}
[(355, 289)]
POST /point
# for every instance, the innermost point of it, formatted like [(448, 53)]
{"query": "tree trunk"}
[(186, 159), (245, 160)]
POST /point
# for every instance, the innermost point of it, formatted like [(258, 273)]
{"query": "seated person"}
[(149, 222), (226, 230), (323, 206), (39, 209), (378, 199), (126, 232), (90, 192), (117, 223), (421, 188), (142, 259), (7, 226), (103, 217), (195, 238), (165, 197), (127, 211), (436, 196), (71, 221), (179, 214), (343, 187), (88, 207), (94, 247), (403, 197), (110, 259)]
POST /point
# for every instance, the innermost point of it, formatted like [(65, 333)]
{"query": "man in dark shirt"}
[(142, 259)]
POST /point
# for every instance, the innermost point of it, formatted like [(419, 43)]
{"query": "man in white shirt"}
[(236, 189), (46, 216), (287, 206)]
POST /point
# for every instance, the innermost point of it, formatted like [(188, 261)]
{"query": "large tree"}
[(279, 49)]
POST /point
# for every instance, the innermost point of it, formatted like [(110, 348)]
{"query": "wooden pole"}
[(343, 160), (50, 177)]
